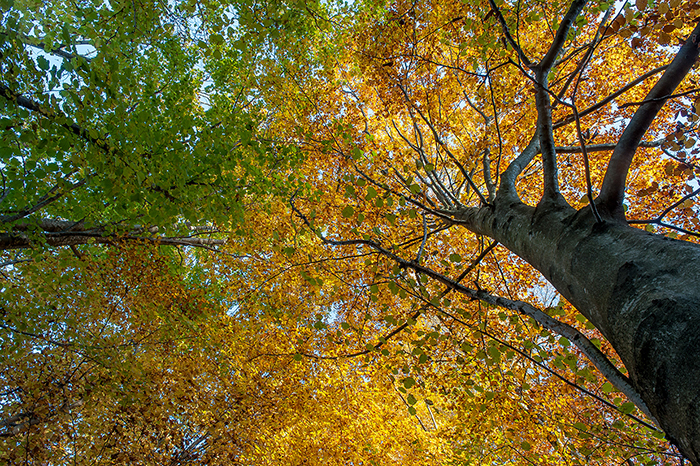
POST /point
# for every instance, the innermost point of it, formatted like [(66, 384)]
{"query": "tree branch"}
[(597, 106), (439, 141), (46, 199), (659, 220), (658, 99), (490, 185), (546, 134), (579, 133), (41, 45), (544, 108), (551, 371), (65, 233), (51, 114), (507, 186), (506, 31), (613, 189), (597, 358), (386, 337), (603, 147), (584, 61), (562, 33)]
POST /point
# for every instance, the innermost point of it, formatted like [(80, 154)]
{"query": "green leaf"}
[(494, 353), (216, 39), (628, 407), (409, 382), (371, 193), (43, 63), (348, 211)]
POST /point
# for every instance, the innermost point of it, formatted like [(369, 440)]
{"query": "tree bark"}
[(639, 289), (57, 233)]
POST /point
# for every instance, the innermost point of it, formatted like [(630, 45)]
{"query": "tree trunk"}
[(641, 290)]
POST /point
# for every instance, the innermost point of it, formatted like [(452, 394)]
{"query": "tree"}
[(358, 156), (409, 80)]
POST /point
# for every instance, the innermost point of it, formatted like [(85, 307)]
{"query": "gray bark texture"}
[(639, 289)]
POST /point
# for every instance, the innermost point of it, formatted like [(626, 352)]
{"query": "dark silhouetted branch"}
[(613, 189), (595, 107), (562, 33), (506, 31)]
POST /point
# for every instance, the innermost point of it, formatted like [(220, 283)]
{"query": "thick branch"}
[(506, 31), (544, 110), (546, 133), (516, 167), (490, 185), (613, 189), (65, 233), (562, 33)]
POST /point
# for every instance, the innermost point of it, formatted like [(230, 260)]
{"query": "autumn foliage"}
[(228, 230)]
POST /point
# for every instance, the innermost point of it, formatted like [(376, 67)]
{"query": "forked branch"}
[(562, 33), (543, 103), (509, 37)]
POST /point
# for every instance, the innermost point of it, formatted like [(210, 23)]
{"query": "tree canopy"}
[(308, 232)]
